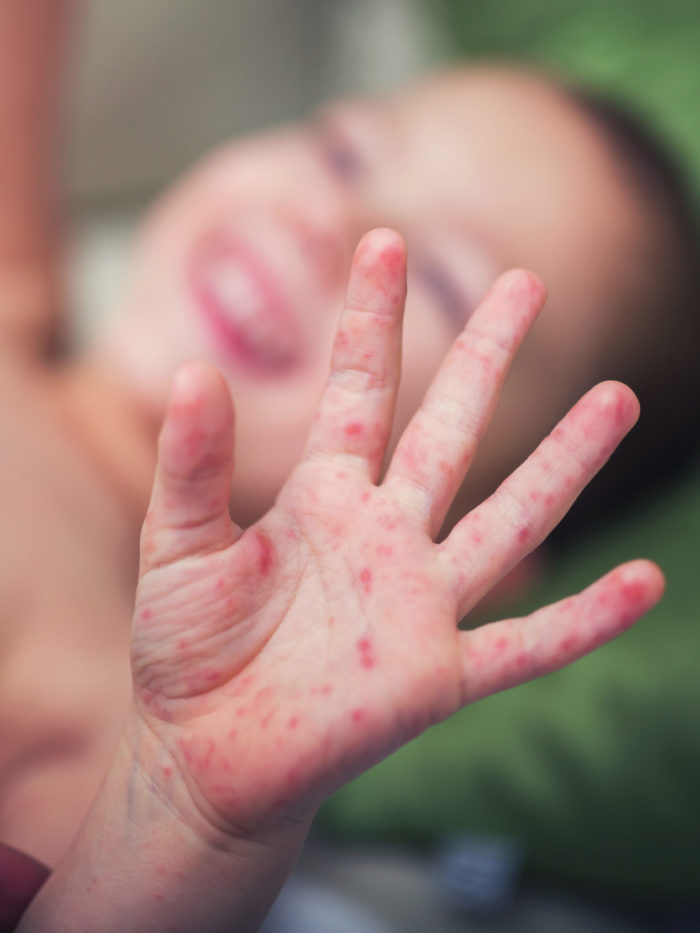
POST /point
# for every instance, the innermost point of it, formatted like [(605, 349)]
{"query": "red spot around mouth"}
[(352, 428), (366, 579)]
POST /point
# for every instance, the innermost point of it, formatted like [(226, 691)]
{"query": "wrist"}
[(150, 857)]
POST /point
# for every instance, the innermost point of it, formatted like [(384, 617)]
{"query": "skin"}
[(437, 161), (480, 169), (274, 664)]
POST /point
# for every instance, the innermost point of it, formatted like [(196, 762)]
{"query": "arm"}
[(33, 37), (272, 666)]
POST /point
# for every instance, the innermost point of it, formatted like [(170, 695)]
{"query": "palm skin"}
[(275, 664)]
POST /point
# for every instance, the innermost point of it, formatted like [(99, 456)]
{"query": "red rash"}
[(293, 723), (366, 579), (265, 553), (364, 646), (352, 428), (357, 715), (523, 535)]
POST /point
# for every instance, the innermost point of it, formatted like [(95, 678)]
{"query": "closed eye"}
[(341, 155), (446, 293)]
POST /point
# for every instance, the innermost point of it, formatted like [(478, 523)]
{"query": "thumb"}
[(188, 512)]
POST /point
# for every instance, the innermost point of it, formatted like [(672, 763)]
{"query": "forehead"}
[(508, 150)]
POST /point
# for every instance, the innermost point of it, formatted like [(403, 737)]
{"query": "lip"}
[(243, 307)]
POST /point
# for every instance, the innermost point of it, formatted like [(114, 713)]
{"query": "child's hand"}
[(275, 664)]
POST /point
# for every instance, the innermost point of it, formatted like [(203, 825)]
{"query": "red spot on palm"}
[(364, 646), (265, 552), (365, 496), (366, 579)]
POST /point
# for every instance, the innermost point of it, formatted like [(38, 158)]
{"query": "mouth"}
[(243, 307)]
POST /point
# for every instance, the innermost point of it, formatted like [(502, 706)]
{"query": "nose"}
[(329, 223)]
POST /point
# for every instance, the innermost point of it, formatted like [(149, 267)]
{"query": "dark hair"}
[(663, 286)]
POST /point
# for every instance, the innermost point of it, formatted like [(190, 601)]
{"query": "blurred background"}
[(573, 804)]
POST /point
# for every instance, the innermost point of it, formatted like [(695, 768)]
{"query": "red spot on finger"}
[(568, 644), (634, 592), (366, 579), (524, 535), (352, 428)]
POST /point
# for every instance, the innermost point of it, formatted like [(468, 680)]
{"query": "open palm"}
[(277, 663)]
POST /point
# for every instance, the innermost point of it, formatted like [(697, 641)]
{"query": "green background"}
[(596, 769)]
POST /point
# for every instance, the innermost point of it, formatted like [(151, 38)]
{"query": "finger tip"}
[(619, 401), (384, 244), (194, 382), (524, 286), (643, 584)]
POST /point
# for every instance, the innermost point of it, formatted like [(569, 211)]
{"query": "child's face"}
[(245, 262)]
